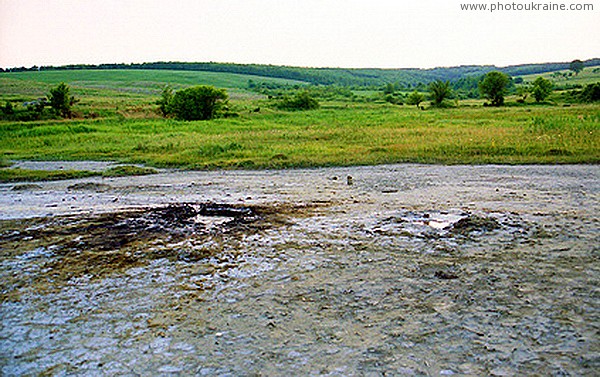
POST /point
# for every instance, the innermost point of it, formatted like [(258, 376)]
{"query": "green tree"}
[(415, 98), (61, 101), (541, 89), (494, 87), (197, 103), (439, 90), (576, 66)]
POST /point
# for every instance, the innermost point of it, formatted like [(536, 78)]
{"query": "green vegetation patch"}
[(127, 170), (27, 175), (348, 127), (357, 135)]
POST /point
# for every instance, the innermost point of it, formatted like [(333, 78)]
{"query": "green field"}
[(117, 120), (566, 78), (139, 80)]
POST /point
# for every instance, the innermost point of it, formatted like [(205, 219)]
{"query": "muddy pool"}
[(397, 270)]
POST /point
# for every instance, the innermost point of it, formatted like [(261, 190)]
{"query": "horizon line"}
[(293, 66)]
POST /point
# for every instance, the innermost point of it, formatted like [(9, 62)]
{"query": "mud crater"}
[(95, 246)]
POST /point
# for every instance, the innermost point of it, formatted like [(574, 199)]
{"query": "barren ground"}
[(398, 270)]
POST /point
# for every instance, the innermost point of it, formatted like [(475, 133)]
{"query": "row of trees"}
[(361, 77), (493, 87)]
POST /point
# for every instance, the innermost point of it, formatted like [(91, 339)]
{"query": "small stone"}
[(445, 275)]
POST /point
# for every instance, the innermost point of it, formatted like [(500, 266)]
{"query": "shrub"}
[(415, 98), (301, 101), (8, 108), (591, 93), (393, 99), (60, 100), (197, 103), (164, 103)]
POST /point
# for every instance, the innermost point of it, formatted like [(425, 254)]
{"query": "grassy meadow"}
[(117, 120), (567, 78)]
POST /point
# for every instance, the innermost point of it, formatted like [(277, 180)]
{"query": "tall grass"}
[(358, 135)]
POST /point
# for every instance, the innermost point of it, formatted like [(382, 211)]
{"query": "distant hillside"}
[(359, 77)]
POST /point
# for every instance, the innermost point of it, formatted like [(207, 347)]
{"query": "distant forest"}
[(356, 77)]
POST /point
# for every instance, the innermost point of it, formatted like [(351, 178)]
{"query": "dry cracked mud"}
[(400, 270)]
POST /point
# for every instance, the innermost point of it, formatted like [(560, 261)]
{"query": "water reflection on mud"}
[(459, 272)]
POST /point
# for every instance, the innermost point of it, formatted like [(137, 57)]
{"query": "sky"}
[(308, 33)]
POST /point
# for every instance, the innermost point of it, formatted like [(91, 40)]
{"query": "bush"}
[(301, 101), (591, 93), (393, 99), (60, 100), (196, 103), (165, 100), (415, 98), (8, 108)]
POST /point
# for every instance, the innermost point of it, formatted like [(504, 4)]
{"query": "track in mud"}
[(368, 284)]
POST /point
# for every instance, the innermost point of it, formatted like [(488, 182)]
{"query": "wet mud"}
[(70, 247), (409, 271)]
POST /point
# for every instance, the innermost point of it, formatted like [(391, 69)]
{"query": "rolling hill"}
[(363, 77)]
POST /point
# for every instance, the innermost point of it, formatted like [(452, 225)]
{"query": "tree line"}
[(408, 78)]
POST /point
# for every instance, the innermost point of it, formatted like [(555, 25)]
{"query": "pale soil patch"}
[(400, 270)]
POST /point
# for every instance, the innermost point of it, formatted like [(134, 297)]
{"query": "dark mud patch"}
[(475, 223), (52, 251)]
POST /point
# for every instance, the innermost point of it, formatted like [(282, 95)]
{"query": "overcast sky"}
[(317, 33)]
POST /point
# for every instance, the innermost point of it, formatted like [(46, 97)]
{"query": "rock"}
[(445, 275), (225, 210)]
